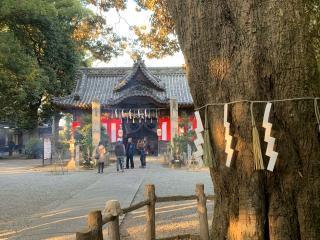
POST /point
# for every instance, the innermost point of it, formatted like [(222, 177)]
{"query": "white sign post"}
[(46, 149)]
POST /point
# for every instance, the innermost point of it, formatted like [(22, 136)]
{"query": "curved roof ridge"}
[(152, 78)]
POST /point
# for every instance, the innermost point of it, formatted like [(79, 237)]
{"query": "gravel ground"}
[(173, 218), (37, 204)]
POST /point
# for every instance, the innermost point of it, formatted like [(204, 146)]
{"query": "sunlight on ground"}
[(165, 228)]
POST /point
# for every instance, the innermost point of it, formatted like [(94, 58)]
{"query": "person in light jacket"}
[(100, 156)]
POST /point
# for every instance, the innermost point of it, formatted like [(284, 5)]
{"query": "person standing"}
[(120, 152), (143, 151), (100, 156), (130, 152)]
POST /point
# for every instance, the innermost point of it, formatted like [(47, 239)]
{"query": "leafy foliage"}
[(181, 142), (160, 39), (83, 136), (34, 148), (43, 42)]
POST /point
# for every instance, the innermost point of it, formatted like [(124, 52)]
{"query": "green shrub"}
[(34, 148)]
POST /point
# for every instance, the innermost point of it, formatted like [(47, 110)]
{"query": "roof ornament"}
[(138, 60), (76, 97)]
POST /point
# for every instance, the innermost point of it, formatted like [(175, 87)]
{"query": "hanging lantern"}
[(122, 113), (130, 115), (159, 132), (116, 113)]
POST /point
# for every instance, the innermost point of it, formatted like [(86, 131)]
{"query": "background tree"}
[(83, 136), (261, 51), (53, 37)]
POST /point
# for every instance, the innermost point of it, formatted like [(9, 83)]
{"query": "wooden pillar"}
[(202, 212), (149, 194), (173, 118), (113, 229), (94, 224), (96, 122)]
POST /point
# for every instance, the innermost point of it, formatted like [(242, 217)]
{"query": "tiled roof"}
[(107, 85)]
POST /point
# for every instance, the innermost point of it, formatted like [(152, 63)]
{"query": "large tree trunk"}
[(258, 50)]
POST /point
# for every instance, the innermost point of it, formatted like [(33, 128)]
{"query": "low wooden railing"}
[(95, 220)]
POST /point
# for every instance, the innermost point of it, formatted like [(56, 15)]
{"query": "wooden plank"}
[(135, 206), (211, 197), (176, 198)]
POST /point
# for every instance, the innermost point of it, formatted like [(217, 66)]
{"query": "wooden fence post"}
[(94, 224), (113, 229), (202, 212), (149, 194)]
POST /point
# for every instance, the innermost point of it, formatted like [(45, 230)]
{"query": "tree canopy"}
[(42, 43), (160, 39)]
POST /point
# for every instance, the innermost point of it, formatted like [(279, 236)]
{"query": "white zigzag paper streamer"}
[(270, 140), (199, 141), (229, 151), (199, 122)]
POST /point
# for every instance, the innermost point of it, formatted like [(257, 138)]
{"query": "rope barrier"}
[(258, 101)]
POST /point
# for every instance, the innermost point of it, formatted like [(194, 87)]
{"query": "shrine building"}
[(133, 102)]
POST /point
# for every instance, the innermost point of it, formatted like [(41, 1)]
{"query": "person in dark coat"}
[(130, 152), (11, 147), (120, 152), (143, 152)]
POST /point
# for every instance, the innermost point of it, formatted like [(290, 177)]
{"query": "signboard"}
[(46, 148)]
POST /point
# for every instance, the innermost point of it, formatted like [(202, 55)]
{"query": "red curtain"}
[(164, 124), (111, 132)]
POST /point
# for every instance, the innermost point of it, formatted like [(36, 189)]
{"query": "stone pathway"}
[(41, 205)]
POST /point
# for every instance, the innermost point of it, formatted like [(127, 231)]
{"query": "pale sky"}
[(121, 22)]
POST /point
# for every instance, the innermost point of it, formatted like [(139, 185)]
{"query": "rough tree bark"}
[(259, 50)]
